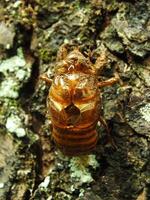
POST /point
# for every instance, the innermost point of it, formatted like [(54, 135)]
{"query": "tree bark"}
[(116, 34)]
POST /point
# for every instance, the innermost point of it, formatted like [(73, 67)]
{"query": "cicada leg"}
[(45, 78), (110, 139), (110, 81)]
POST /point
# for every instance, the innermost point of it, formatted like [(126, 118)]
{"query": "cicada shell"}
[(74, 105)]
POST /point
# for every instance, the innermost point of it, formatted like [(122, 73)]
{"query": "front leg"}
[(110, 81), (45, 78)]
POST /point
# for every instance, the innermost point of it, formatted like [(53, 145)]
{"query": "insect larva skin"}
[(73, 103)]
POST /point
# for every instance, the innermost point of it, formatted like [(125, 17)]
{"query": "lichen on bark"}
[(118, 33)]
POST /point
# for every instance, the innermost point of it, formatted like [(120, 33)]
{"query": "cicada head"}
[(75, 62)]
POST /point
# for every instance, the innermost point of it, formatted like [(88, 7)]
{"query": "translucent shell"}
[(74, 104)]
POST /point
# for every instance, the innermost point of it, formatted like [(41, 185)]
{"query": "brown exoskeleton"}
[(74, 103)]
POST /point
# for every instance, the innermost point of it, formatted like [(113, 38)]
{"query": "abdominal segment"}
[(74, 141)]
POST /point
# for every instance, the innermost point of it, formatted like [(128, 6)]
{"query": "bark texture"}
[(31, 33)]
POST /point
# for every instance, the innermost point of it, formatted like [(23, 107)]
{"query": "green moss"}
[(45, 55)]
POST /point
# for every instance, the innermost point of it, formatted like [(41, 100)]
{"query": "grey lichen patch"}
[(145, 111), (16, 120), (66, 177), (138, 153), (7, 34), (132, 26), (17, 70), (110, 109), (62, 195), (45, 183), (111, 40), (25, 175), (73, 21), (77, 22), (8, 159), (139, 118), (79, 167), (1, 185), (9, 88), (14, 125), (129, 29), (143, 73), (110, 5), (89, 195), (138, 112), (13, 64)]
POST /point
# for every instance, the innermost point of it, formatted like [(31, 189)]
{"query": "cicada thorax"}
[(73, 103)]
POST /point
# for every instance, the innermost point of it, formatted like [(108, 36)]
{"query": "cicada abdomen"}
[(74, 102)]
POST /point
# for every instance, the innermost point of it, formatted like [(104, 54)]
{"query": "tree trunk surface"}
[(115, 33)]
